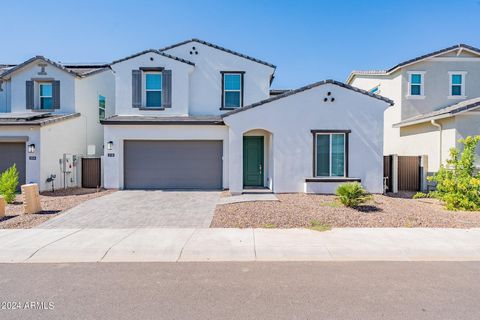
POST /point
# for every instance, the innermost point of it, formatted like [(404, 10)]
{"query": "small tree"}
[(9, 183), (352, 194), (458, 185)]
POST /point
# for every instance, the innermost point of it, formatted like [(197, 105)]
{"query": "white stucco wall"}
[(29, 72), (180, 84), (113, 174), (291, 119), (86, 100), (206, 80), (69, 137)]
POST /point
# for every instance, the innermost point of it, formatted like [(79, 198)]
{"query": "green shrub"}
[(457, 184), (9, 183), (352, 194), (420, 195)]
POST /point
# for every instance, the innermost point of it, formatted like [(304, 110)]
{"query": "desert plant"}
[(457, 183), (352, 194), (9, 183)]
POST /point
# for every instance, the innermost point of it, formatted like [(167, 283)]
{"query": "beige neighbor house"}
[(437, 101)]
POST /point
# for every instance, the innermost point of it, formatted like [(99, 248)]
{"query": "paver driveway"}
[(141, 209)]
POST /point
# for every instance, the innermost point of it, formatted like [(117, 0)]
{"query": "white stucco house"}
[(50, 117), (437, 101), (196, 115)]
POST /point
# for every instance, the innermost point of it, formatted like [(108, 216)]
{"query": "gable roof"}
[(75, 70), (446, 112), (414, 60), (219, 48), (153, 51), (308, 87)]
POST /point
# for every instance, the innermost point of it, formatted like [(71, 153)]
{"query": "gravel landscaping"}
[(303, 210), (53, 203)]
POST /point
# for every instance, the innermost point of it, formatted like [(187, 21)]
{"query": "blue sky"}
[(307, 40)]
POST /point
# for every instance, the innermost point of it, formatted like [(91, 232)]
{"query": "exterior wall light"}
[(31, 148), (109, 145)]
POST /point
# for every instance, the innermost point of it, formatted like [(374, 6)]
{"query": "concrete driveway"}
[(141, 209)]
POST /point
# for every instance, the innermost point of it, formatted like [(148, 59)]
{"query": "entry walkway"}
[(189, 244)]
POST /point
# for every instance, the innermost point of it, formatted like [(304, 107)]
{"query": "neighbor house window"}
[(457, 84), (375, 90), (232, 90), (153, 89), (101, 107), (330, 154), (416, 84), (46, 98)]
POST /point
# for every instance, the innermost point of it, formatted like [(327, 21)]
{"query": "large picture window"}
[(330, 154), (153, 89), (232, 90)]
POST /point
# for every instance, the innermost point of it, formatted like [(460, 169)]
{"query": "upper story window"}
[(375, 90), (416, 80), (153, 89), (232, 94), (101, 107), (330, 154), (46, 95), (457, 84)]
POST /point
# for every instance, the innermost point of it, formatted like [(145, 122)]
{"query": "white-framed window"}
[(456, 84), (232, 90), (101, 107), (153, 89), (330, 154), (45, 91), (416, 84)]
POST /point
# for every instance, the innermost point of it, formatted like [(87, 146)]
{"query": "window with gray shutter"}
[(56, 94), (136, 88), (167, 88), (29, 94)]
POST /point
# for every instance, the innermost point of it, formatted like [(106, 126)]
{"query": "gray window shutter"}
[(167, 88), (136, 88), (29, 94), (56, 94)]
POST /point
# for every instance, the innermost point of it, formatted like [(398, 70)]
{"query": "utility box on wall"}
[(67, 163)]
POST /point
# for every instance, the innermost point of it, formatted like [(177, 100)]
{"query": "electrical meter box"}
[(67, 163)]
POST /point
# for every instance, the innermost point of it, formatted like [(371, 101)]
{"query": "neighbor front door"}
[(253, 161)]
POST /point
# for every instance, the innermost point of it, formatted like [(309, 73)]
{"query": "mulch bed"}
[(53, 203), (299, 210)]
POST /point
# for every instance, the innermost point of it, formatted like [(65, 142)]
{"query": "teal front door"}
[(253, 161)]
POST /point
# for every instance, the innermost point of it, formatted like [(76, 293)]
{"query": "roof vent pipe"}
[(439, 126)]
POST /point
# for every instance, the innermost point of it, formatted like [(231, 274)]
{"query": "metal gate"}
[(91, 173), (409, 173), (387, 172)]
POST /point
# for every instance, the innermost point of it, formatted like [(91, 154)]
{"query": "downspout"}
[(439, 126)]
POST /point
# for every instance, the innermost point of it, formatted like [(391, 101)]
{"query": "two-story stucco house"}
[(436, 97), (196, 115), (50, 117)]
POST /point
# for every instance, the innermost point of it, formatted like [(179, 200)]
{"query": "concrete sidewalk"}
[(167, 244)]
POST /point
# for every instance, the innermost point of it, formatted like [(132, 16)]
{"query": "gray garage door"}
[(189, 164), (10, 153)]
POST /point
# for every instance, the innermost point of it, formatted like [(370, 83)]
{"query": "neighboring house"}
[(437, 97), (196, 115), (50, 117)]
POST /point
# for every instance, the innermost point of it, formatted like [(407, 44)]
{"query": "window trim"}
[(315, 133), (242, 76), (40, 84), (450, 84), (144, 93), (422, 85)]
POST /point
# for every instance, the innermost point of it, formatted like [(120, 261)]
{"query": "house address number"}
[(111, 155)]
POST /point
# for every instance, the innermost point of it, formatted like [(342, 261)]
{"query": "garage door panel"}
[(190, 164), (13, 153)]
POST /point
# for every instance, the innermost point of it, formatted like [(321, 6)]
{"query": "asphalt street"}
[(253, 290)]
